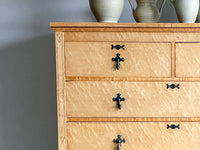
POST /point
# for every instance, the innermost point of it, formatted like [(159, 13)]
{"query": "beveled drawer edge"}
[(142, 119), (181, 79)]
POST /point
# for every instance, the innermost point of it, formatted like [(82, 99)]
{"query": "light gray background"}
[(27, 67)]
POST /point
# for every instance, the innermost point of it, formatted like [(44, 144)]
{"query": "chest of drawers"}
[(128, 86)]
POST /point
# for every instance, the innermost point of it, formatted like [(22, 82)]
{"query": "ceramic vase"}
[(147, 10), (198, 16), (107, 10), (186, 10)]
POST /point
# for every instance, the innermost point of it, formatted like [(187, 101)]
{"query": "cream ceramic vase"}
[(107, 10), (147, 10), (186, 10)]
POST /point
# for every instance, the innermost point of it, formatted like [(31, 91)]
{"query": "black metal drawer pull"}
[(118, 99), (117, 59), (119, 141), (173, 86), (173, 126), (118, 47)]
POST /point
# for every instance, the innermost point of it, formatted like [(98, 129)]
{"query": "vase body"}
[(147, 10), (198, 16), (107, 10), (186, 10)]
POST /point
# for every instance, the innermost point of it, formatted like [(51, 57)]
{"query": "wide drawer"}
[(142, 99), (95, 59), (188, 59), (138, 135)]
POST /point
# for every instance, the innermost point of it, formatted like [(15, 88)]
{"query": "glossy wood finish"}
[(94, 59), (138, 135)]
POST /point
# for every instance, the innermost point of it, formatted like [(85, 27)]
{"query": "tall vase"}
[(186, 10), (107, 10)]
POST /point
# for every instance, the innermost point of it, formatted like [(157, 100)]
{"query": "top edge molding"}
[(65, 26)]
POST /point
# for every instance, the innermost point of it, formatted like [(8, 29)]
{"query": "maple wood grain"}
[(143, 99), (131, 119), (60, 80), (138, 135), (132, 36), (188, 59), (94, 59), (156, 54)]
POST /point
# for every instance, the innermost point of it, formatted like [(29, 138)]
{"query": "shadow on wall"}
[(28, 95)]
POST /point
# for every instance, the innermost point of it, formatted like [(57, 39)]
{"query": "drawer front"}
[(138, 135), (95, 59), (142, 99), (188, 59)]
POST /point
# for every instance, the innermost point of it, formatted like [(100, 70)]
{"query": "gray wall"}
[(27, 67)]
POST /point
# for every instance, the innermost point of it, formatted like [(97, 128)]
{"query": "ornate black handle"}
[(118, 47), (118, 99), (173, 86), (119, 141), (173, 126), (118, 60)]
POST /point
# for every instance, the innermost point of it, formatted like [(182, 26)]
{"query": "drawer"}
[(138, 135), (142, 99), (188, 59), (94, 59)]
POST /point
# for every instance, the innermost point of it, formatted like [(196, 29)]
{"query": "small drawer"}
[(142, 99), (188, 59), (136, 135), (99, 59)]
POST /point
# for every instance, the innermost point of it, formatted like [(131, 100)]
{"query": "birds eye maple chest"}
[(128, 86)]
